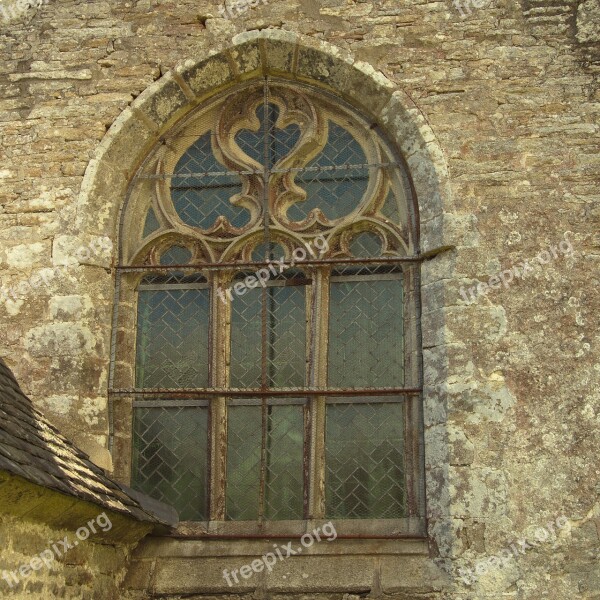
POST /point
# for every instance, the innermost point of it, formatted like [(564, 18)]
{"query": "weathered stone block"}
[(162, 102), (207, 76)]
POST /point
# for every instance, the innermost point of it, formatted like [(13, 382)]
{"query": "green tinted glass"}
[(172, 338), (364, 461), (366, 333), (279, 464), (169, 457)]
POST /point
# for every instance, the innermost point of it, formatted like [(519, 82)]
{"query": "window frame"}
[(124, 398)]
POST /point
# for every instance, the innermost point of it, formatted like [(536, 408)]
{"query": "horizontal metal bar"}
[(159, 176), (150, 287), (154, 287), (274, 392), (296, 281), (268, 536), (374, 277), (361, 399), (224, 186), (269, 401), (172, 403), (244, 265)]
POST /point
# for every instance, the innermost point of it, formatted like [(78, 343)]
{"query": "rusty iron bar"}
[(289, 264), (322, 169), (287, 392), (265, 298), (220, 186)]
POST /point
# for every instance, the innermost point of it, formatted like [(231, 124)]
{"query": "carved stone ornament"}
[(271, 163)]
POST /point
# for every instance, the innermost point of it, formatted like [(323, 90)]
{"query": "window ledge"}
[(167, 546), (352, 529)]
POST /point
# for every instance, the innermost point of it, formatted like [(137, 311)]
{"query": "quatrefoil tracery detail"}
[(269, 162)]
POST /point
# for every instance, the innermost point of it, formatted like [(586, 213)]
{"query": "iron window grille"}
[(299, 400)]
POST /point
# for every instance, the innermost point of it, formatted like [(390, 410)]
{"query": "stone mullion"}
[(412, 379), (123, 351), (318, 378), (219, 377)]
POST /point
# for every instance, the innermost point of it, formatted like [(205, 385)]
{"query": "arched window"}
[(267, 354)]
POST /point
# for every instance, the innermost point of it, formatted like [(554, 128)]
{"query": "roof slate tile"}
[(32, 448)]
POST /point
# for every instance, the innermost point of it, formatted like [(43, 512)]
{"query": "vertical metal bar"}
[(264, 377), (269, 138), (306, 456), (263, 459), (265, 201), (264, 407), (307, 408), (265, 296), (267, 129)]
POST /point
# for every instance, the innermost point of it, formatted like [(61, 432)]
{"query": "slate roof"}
[(35, 450)]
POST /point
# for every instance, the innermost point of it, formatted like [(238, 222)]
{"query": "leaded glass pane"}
[(366, 332), (172, 338), (202, 192), (284, 470), (170, 457), (283, 462), (332, 187), (268, 251), (365, 245), (364, 457), (244, 426), (281, 360), (280, 142), (286, 337), (246, 339), (176, 255)]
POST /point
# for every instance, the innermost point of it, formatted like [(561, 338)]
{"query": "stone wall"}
[(91, 571), (55, 546), (506, 99)]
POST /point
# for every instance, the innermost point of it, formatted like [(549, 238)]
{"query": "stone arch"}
[(286, 55), (255, 54)]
